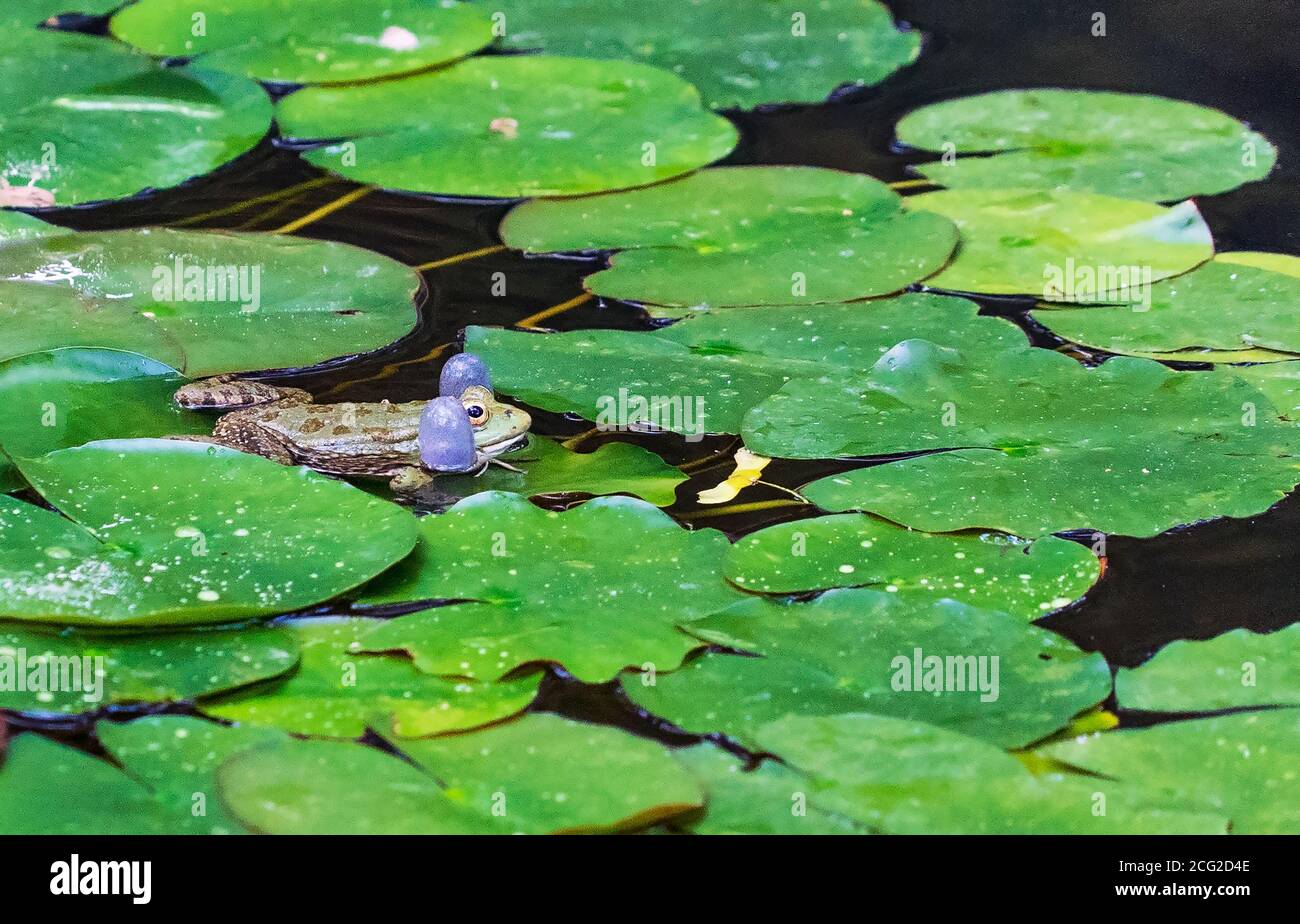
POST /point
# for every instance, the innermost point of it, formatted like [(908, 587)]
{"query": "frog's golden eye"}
[(478, 414)]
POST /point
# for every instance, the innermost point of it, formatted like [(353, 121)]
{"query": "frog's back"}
[(349, 438)]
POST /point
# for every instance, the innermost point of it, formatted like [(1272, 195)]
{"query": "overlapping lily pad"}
[(339, 692), (857, 650), (177, 757), (1243, 766), (1221, 306), (79, 672), (325, 41), (1119, 144), (510, 126), (734, 236), (1280, 383), (989, 570), (543, 774), (1033, 443), (550, 467), (177, 533), (1238, 668), (203, 302), (92, 120), (739, 53), (19, 225), (720, 365), (904, 777), (596, 588), (1021, 241)]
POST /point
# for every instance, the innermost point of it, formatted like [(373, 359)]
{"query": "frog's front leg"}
[(232, 393), (409, 479)]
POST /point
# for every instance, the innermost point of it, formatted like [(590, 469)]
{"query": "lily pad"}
[(19, 226), (74, 672), (990, 570), (62, 398), (550, 467), (1119, 144), (48, 788), (1242, 766), (1238, 668), (769, 799), (734, 236), (1280, 383), (177, 757), (339, 692), (712, 368), (546, 774), (92, 120), (904, 777), (176, 533), (1033, 443), (336, 787), (325, 41), (511, 126), (203, 302), (595, 588), (1220, 306), (1022, 241), (739, 53), (853, 650)]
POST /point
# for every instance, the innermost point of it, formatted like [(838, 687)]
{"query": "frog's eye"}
[(477, 413)]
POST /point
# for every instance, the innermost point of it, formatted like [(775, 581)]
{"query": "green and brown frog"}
[(464, 429)]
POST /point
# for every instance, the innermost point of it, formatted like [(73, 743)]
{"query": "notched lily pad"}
[(744, 236), (1025, 241), (738, 52), (595, 588), (324, 41), (978, 671), (1280, 383), (1120, 144), (157, 532), (511, 126), (990, 570), (1238, 668), (204, 302)]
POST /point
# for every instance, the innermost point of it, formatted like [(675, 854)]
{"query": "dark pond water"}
[(1192, 583)]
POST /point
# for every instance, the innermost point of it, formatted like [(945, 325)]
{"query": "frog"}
[(463, 430)]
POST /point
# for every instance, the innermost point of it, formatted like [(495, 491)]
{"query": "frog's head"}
[(463, 434)]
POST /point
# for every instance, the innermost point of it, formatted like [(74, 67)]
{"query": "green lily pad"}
[(904, 777), (595, 588), (854, 650), (1022, 241), (294, 301), (176, 533), (63, 398), (177, 758), (510, 126), (546, 774), (337, 787), (712, 368), (734, 236), (550, 467), (1033, 443), (739, 53), (770, 799), (92, 120), (339, 692), (1221, 306), (48, 788), (77, 672), (325, 41), (1118, 144), (1280, 383), (990, 570), (20, 226), (1243, 766), (1238, 668)]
